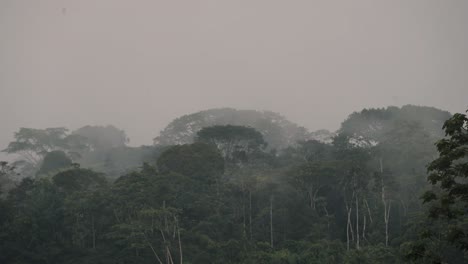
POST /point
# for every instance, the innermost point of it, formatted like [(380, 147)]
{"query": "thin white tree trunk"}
[(152, 249), (349, 227), (243, 216), (387, 215), (327, 216), (250, 214), (357, 223), (384, 202), (178, 237), (94, 232), (271, 221), (364, 227), (368, 210), (311, 198)]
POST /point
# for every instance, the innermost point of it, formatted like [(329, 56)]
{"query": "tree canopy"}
[(228, 198), (102, 137), (277, 131), (234, 142)]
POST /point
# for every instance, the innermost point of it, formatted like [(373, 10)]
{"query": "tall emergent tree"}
[(234, 142), (103, 137), (7, 172), (32, 145), (449, 173)]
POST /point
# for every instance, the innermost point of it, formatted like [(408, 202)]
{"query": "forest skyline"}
[(139, 65)]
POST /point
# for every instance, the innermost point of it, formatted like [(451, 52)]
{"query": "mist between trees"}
[(241, 186)]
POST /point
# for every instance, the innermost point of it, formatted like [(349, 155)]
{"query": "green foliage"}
[(32, 145), (378, 254), (78, 180), (54, 161), (8, 175), (34, 223), (38, 140), (198, 160), (278, 132), (236, 143), (314, 179), (449, 172), (312, 202), (117, 161), (372, 125), (102, 137)]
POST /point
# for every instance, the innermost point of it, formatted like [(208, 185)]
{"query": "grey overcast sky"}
[(137, 64)]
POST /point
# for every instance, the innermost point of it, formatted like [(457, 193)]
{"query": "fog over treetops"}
[(140, 64), (106, 149), (233, 132)]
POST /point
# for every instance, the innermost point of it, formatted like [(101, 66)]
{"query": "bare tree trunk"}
[(250, 214), (357, 223), (217, 187), (314, 198), (347, 234), (152, 249), (364, 227), (180, 242), (168, 260), (244, 233), (116, 216), (405, 208), (311, 197), (163, 236), (271, 221), (169, 255), (152, 224), (368, 210), (384, 202), (327, 216), (349, 228), (165, 217), (387, 215), (93, 231)]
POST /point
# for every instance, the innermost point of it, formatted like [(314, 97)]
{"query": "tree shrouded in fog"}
[(277, 131), (197, 160), (32, 144), (370, 126), (54, 161), (228, 198), (235, 143), (102, 137)]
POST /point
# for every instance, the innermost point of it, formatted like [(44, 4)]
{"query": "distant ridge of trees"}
[(362, 196)]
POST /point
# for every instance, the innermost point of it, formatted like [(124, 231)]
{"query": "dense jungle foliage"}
[(241, 186)]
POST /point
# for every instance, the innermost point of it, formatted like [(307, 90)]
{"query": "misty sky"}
[(139, 64)]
